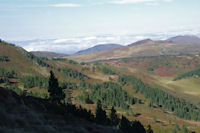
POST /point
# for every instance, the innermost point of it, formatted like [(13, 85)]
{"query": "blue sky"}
[(42, 19)]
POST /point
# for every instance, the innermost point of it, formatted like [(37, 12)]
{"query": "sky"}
[(49, 19)]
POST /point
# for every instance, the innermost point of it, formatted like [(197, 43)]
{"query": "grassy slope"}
[(18, 60), (20, 63), (163, 70)]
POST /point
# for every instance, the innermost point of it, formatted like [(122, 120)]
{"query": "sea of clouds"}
[(71, 45)]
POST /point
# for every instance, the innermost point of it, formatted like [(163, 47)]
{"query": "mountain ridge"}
[(100, 47), (141, 48), (48, 54)]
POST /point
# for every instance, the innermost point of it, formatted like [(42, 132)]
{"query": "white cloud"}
[(89, 38), (66, 5), (148, 2), (168, 0), (132, 1), (152, 4), (60, 40)]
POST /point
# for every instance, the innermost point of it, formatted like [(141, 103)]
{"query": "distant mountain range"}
[(147, 47), (98, 48), (48, 54)]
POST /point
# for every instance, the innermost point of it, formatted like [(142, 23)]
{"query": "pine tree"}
[(113, 117), (68, 97), (124, 124), (137, 127), (93, 69), (149, 130), (100, 114), (185, 129), (56, 92), (176, 127)]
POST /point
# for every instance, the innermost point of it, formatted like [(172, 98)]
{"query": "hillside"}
[(140, 49), (160, 71), (47, 54), (98, 48), (187, 39), (20, 61), (113, 83)]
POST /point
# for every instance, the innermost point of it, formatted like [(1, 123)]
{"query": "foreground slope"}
[(22, 114)]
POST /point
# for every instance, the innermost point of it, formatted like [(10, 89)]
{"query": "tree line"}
[(195, 73), (159, 98), (4, 59), (110, 93), (34, 81), (4, 75), (107, 70), (72, 73), (39, 61), (41, 82)]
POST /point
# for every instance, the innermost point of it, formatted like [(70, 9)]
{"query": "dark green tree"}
[(185, 129), (68, 97), (173, 131), (176, 127), (125, 124), (131, 126), (137, 127), (100, 114), (56, 92), (113, 117), (93, 69), (149, 130)]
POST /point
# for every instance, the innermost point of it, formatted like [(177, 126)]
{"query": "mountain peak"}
[(145, 41)]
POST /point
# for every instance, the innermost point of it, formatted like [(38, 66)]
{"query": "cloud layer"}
[(148, 2), (75, 44)]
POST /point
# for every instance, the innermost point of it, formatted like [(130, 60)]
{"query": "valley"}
[(140, 84)]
